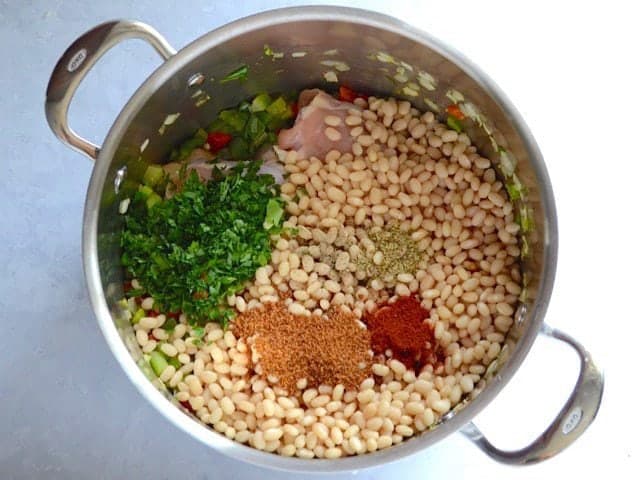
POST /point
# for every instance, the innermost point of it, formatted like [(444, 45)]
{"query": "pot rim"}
[(192, 426)]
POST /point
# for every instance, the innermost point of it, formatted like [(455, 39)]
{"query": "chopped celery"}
[(454, 124), (137, 316), (201, 134), (174, 362), (251, 124), (153, 199), (260, 103), (274, 214), (239, 148), (239, 73), (279, 108), (235, 119), (158, 362), (219, 125), (153, 176), (145, 191)]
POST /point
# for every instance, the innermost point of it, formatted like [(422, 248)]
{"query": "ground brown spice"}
[(330, 351)]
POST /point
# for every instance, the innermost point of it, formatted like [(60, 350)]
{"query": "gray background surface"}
[(66, 408)]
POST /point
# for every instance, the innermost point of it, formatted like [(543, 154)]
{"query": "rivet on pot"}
[(196, 79)]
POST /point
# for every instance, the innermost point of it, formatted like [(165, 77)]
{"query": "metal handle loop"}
[(574, 418), (77, 60)]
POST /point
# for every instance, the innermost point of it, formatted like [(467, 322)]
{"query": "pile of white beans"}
[(407, 168)]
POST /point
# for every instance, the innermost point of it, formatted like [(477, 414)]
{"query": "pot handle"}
[(77, 60), (574, 418)]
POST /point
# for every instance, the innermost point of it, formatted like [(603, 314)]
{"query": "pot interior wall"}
[(311, 54)]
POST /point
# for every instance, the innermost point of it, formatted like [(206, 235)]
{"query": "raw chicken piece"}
[(307, 136)]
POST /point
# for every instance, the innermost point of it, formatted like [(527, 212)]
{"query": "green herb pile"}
[(193, 250)]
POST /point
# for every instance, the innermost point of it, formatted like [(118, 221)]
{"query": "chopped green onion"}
[(239, 73), (158, 362), (454, 124)]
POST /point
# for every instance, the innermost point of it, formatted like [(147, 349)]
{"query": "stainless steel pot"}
[(313, 46)]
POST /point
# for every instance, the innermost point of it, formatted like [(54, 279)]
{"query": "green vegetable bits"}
[(251, 125), (193, 250)]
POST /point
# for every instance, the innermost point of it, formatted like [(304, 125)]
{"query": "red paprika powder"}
[(400, 327)]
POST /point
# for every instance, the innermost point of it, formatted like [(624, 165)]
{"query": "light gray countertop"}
[(67, 411)]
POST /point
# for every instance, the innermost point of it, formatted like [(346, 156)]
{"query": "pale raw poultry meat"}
[(307, 136)]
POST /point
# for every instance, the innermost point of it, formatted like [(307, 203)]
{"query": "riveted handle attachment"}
[(76, 62), (574, 418)]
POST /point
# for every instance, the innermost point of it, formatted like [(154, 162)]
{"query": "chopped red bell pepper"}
[(294, 109), (175, 315), (218, 140), (188, 406), (454, 111), (348, 95)]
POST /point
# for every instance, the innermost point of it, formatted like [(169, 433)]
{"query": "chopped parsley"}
[(193, 250)]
